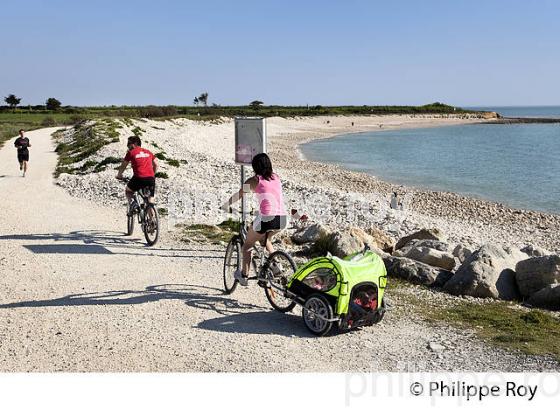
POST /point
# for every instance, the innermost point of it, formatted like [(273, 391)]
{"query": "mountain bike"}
[(145, 212), (272, 272)]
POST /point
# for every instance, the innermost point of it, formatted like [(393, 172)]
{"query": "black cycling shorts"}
[(265, 223), (23, 155), (136, 184)]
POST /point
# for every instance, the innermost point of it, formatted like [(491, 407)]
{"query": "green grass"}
[(138, 131), (102, 165), (173, 162), (31, 118), (11, 123), (215, 112), (502, 324), (87, 140), (127, 121), (162, 175), (212, 233)]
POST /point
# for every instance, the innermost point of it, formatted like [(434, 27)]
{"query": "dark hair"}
[(20, 131), (262, 166), (135, 140)]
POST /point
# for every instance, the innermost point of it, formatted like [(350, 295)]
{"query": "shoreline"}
[(420, 187), (349, 198), (509, 224)]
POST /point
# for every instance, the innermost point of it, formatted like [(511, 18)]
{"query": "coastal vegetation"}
[(501, 323), (87, 139), (53, 114)]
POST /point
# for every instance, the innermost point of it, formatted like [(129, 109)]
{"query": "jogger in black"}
[(22, 144)]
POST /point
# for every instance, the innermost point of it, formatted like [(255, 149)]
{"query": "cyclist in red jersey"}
[(144, 166)]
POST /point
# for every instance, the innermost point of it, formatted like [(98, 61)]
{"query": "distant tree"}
[(53, 104), (203, 98), (12, 101), (196, 101), (256, 104)]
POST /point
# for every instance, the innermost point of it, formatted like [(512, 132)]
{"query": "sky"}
[(344, 52)]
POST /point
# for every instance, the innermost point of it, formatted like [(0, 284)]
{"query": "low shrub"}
[(48, 122)]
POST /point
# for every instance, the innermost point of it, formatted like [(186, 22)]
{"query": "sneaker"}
[(132, 208), (238, 275)]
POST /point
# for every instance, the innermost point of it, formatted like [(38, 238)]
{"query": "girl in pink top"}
[(272, 216)]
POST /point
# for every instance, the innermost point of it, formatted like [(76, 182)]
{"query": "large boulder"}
[(426, 243), (461, 252), (351, 241), (433, 233), (381, 239), (416, 272), (548, 297), (487, 273), (535, 273), (432, 257), (309, 233), (533, 251), (343, 244)]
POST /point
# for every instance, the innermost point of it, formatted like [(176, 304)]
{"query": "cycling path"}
[(77, 295)]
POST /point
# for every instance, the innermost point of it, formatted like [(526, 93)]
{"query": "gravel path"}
[(77, 295)]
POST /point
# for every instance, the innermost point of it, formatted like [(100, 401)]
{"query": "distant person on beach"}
[(22, 144), (394, 201), (271, 217), (144, 166)]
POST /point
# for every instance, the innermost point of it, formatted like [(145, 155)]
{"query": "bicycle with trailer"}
[(346, 292)]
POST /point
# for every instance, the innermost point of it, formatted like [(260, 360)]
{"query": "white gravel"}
[(79, 296)]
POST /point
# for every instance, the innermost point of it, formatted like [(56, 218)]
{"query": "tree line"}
[(52, 104)]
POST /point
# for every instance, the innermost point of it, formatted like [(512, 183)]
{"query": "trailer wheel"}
[(315, 310)]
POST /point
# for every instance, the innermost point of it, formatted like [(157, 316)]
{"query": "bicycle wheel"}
[(151, 225), (232, 260), (281, 267), (129, 222)]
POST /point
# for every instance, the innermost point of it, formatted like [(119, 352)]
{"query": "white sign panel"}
[(250, 139)]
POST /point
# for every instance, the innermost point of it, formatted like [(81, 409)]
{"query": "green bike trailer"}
[(348, 292)]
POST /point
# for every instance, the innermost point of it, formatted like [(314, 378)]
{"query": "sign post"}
[(250, 140)]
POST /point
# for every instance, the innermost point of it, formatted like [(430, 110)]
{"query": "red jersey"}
[(141, 161)]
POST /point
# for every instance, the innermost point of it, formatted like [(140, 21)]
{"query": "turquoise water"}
[(518, 165)]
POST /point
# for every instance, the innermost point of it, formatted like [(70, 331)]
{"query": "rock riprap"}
[(534, 274), (433, 233), (416, 272), (487, 273)]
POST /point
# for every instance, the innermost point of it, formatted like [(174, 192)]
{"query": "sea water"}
[(515, 164)]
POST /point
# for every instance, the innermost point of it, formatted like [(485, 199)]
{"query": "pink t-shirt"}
[(269, 196)]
